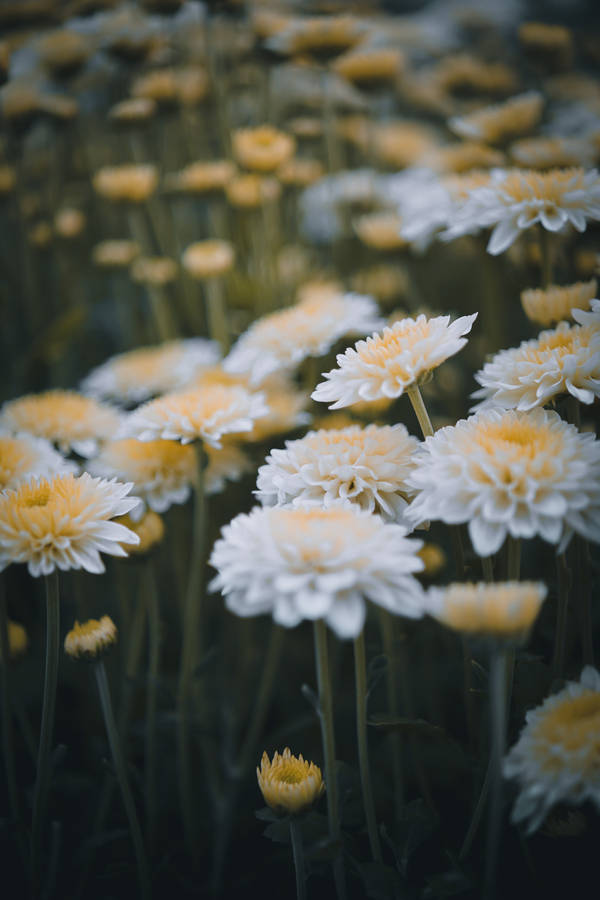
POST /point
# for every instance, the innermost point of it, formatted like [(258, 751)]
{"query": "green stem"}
[(459, 555), (121, 772), (513, 560), (151, 701), (360, 670), (563, 578), (488, 569), (161, 313), (216, 312), (546, 257), (328, 739), (585, 599), (391, 640), (298, 851), (414, 395), (477, 815), (189, 652), (498, 709), (467, 685), (44, 763), (8, 745)]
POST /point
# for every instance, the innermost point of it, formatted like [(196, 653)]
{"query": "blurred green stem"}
[(151, 699), (328, 739), (360, 670), (189, 652), (498, 709), (545, 257), (563, 579), (216, 312), (414, 395), (44, 763), (391, 640), (298, 851), (121, 772)]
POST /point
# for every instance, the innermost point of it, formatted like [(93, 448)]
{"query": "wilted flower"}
[(24, 456), (509, 473), (366, 467), (504, 611), (386, 364), (280, 341), (67, 419), (315, 563), (64, 522), (289, 784), (494, 124), (142, 373), (92, 639), (546, 306), (557, 757), (564, 360)]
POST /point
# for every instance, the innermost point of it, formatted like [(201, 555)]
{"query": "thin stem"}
[(360, 672), (328, 738), (467, 684), (513, 560), (459, 555), (191, 625), (216, 312), (151, 700), (8, 745), (44, 762), (585, 599), (161, 313), (477, 814), (487, 568), (390, 637), (563, 577), (298, 851), (498, 707), (121, 772), (414, 395)]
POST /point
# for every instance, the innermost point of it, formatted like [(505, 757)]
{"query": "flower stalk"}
[(360, 670)]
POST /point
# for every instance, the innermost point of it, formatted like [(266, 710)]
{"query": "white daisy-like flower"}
[(24, 456), (205, 413), (509, 473), (279, 342), (386, 364), (518, 199), (504, 611), (515, 116), (65, 418), (557, 303), (64, 523), (314, 563), (557, 756), (563, 360), (149, 371), (589, 316), (363, 466)]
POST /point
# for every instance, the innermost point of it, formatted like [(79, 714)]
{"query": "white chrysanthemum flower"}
[(557, 303), (280, 341), (24, 456), (363, 466), (515, 116), (308, 563), (64, 522), (149, 371), (518, 199), (65, 418), (563, 360), (589, 316), (557, 756), (205, 413), (504, 611), (510, 473), (386, 364)]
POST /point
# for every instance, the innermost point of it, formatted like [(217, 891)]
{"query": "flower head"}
[(316, 563), (508, 472), (25, 455), (502, 611), (202, 177), (262, 149), (386, 364), (280, 341), (557, 302), (147, 371), (289, 784), (557, 756), (564, 360), (67, 419), (154, 270), (92, 639), (517, 199), (64, 522), (207, 259), (494, 124), (150, 529), (134, 183), (18, 640), (117, 253), (366, 467), (205, 413)]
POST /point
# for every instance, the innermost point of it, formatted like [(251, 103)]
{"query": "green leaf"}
[(419, 727)]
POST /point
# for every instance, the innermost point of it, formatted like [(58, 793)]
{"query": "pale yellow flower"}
[(546, 306), (262, 149), (208, 259), (92, 639), (504, 611), (289, 784)]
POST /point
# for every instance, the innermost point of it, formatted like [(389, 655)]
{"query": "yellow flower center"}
[(40, 497), (292, 772), (393, 342), (549, 186), (573, 725)]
